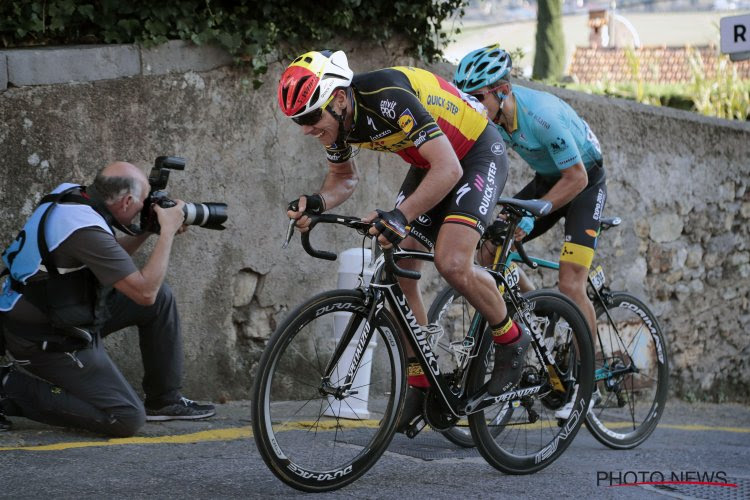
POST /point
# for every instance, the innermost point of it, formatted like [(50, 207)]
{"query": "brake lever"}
[(289, 233)]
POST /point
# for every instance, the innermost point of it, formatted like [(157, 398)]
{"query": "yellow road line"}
[(234, 433), (228, 434)]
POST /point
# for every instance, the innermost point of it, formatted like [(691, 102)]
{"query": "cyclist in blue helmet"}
[(562, 150)]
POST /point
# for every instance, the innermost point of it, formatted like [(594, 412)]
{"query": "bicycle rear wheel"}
[(311, 440), (532, 435), (454, 314), (631, 373)]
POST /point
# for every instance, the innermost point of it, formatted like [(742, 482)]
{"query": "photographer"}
[(87, 286)]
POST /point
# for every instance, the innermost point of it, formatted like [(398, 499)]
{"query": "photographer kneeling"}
[(58, 304)]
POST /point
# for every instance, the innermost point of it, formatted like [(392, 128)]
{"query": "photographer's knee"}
[(127, 422)]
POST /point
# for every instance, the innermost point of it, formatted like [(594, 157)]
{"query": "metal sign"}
[(735, 36)]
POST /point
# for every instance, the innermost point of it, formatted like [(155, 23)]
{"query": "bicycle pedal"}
[(415, 427)]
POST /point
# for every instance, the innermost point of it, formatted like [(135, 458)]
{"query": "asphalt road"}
[(217, 458)]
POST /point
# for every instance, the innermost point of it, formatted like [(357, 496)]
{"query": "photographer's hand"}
[(171, 219)]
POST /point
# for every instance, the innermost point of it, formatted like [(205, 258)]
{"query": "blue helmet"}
[(482, 67)]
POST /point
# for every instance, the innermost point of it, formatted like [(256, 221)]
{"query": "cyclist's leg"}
[(582, 216), (572, 283), (455, 262)]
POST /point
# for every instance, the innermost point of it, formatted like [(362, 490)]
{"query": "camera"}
[(208, 215)]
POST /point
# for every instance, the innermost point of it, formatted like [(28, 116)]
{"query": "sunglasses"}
[(481, 95), (310, 118)]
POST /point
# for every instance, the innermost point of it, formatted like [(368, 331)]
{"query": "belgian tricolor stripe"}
[(462, 219)]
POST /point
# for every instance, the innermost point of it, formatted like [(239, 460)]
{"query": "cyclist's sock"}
[(416, 376), (505, 332)]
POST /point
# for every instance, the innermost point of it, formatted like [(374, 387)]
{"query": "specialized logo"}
[(461, 192), (387, 108), (425, 220), (488, 197), (371, 123), (400, 199), (600, 199), (362, 344), (559, 144), (406, 121), (498, 148)]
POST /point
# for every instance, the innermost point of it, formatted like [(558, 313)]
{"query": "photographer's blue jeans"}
[(96, 397)]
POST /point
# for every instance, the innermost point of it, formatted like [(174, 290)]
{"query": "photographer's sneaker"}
[(508, 363), (183, 409), (564, 412)]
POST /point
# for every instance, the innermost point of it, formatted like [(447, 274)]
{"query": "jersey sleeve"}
[(100, 252), (554, 133)]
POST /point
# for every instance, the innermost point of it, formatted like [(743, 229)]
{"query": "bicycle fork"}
[(343, 390)]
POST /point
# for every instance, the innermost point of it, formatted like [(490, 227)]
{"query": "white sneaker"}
[(564, 412)]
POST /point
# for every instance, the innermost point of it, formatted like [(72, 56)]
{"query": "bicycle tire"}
[(310, 441), (533, 437), (633, 402), (454, 314)]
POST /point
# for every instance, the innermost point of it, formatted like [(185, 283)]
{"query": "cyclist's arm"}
[(339, 183), (572, 182), (445, 171), (561, 146)]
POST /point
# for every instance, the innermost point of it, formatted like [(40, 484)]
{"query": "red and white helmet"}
[(309, 82)]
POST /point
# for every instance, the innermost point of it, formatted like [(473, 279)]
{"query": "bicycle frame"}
[(601, 373), (384, 289)]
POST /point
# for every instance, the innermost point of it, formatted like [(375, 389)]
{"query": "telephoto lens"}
[(208, 215)]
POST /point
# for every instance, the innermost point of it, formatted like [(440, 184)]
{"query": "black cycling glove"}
[(315, 204), (392, 225)]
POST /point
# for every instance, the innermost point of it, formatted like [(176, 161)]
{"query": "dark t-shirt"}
[(92, 247)]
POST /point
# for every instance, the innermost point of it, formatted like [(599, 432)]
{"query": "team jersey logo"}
[(387, 108), (406, 121)]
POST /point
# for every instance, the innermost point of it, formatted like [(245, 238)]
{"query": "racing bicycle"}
[(330, 384), (631, 364)]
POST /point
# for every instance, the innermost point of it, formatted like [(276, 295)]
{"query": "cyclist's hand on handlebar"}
[(524, 227), (306, 203), (390, 227)]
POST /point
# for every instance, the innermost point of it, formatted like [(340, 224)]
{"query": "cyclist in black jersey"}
[(458, 169)]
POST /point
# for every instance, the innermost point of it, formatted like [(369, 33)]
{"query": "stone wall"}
[(677, 179)]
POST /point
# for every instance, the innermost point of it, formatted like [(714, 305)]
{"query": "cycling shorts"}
[(581, 214), (472, 200)]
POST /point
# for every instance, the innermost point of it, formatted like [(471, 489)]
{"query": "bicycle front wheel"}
[(631, 373), (313, 433), (536, 428)]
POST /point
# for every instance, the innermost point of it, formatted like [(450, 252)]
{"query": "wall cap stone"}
[(86, 63)]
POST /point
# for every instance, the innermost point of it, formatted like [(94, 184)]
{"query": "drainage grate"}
[(708, 492)]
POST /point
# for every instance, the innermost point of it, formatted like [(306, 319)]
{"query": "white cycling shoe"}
[(564, 412)]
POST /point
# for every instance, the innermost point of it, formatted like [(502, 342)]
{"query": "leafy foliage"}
[(718, 91), (252, 30)]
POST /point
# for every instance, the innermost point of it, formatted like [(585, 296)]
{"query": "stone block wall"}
[(678, 180)]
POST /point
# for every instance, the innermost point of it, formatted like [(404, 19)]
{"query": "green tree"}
[(549, 58)]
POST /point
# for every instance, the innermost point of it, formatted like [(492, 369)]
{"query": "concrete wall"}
[(678, 180)]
